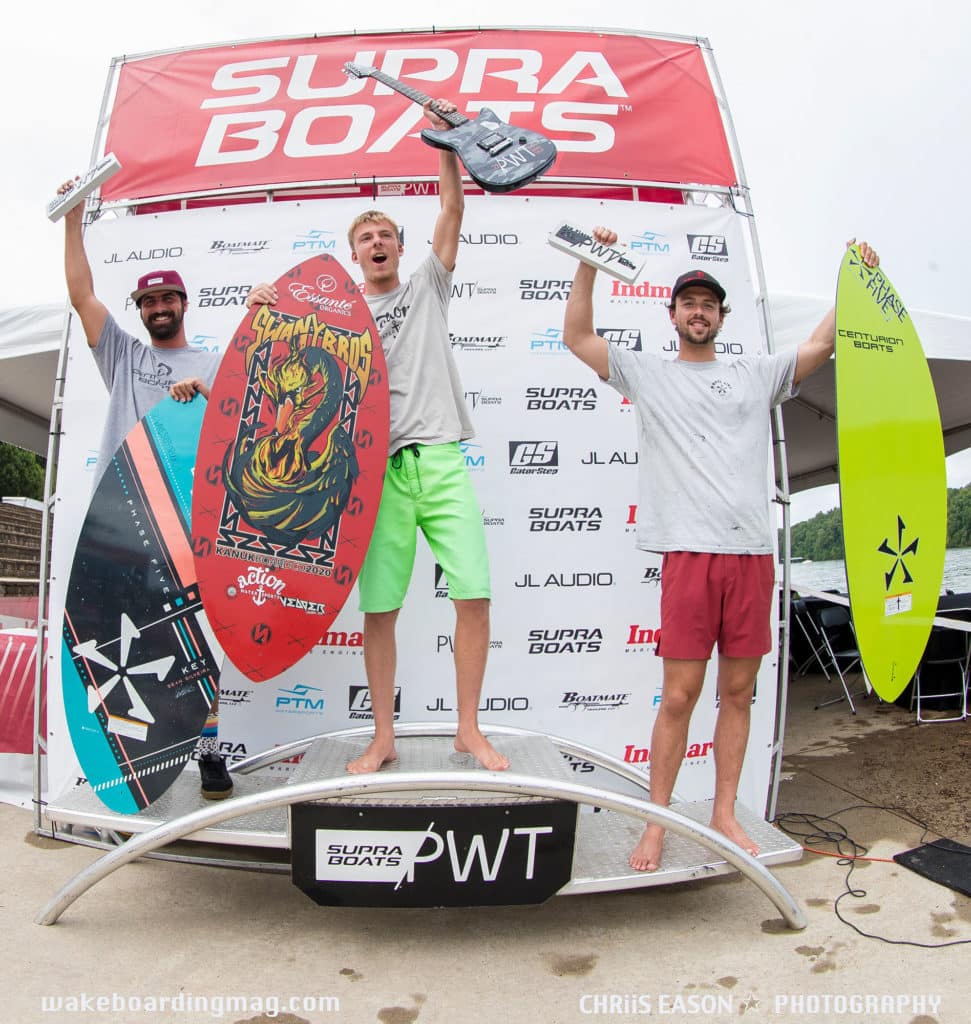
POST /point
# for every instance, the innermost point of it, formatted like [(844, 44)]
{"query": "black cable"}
[(850, 851)]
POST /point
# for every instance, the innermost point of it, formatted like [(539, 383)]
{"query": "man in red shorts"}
[(703, 442)]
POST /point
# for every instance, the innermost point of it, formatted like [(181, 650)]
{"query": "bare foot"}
[(378, 753), (731, 829), (647, 853), (482, 750)]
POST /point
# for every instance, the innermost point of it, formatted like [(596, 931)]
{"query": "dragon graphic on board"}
[(293, 482)]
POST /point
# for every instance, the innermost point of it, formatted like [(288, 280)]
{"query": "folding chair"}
[(815, 646), (839, 637), (947, 649)]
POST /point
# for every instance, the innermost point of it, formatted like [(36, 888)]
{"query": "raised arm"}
[(578, 333), (77, 272), (448, 226), (819, 346)]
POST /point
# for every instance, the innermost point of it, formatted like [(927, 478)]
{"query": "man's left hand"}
[(186, 390)]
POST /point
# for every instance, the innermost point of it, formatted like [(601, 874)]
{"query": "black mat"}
[(943, 861)]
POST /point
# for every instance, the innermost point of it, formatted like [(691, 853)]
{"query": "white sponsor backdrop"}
[(575, 607)]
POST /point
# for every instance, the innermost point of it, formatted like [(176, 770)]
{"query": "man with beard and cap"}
[(703, 436), (138, 377)]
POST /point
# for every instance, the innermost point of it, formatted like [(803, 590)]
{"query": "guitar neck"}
[(453, 119)]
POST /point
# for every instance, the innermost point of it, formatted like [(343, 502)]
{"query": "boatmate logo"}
[(238, 248), (594, 701), (711, 248), (477, 342), (652, 574)]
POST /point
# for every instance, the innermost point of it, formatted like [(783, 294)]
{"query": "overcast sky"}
[(852, 119)]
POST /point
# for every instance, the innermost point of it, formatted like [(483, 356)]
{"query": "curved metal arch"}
[(494, 782)]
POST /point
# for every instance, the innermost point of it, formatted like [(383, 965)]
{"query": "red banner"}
[(619, 108)]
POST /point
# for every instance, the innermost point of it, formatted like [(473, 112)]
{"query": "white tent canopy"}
[(809, 419), (30, 338), (30, 342)]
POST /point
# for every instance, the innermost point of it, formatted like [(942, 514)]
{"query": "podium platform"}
[(519, 818)]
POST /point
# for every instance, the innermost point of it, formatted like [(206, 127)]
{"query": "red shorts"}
[(708, 598)]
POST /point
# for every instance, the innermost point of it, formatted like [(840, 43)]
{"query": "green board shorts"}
[(426, 487)]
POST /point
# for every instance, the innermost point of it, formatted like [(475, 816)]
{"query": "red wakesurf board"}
[(290, 468)]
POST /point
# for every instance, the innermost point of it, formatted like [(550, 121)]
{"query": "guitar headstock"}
[(359, 70)]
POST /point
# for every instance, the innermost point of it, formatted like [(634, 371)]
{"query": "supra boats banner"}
[(624, 108), (575, 606)]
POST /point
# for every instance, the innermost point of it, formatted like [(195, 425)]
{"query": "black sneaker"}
[(216, 782)]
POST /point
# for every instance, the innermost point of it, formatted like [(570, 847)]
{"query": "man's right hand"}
[(262, 294), (74, 215), (604, 235)]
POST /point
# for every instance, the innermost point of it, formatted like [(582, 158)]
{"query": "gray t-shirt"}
[(703, 437), (427, 399), (138, 376)]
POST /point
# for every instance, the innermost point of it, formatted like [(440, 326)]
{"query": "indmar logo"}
[(710, 248), (620, 292), (642, 639), (534, 457), (696, 752)]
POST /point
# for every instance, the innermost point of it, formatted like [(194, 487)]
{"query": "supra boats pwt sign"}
[(486, 854)]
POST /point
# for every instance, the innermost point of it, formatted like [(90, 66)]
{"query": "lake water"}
[(832, 575)]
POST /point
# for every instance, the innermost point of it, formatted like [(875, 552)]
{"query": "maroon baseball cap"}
[(158, 281), (697, 279)]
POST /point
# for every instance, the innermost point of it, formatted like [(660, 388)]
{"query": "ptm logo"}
[(302, 699), (317, 240), (649, 242)]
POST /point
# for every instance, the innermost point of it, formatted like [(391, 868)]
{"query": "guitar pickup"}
[(493, 143)]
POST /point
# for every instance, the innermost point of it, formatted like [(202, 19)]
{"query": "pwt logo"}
[(710, 248)]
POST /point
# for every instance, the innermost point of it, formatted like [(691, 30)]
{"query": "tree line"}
[(820, 539)]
